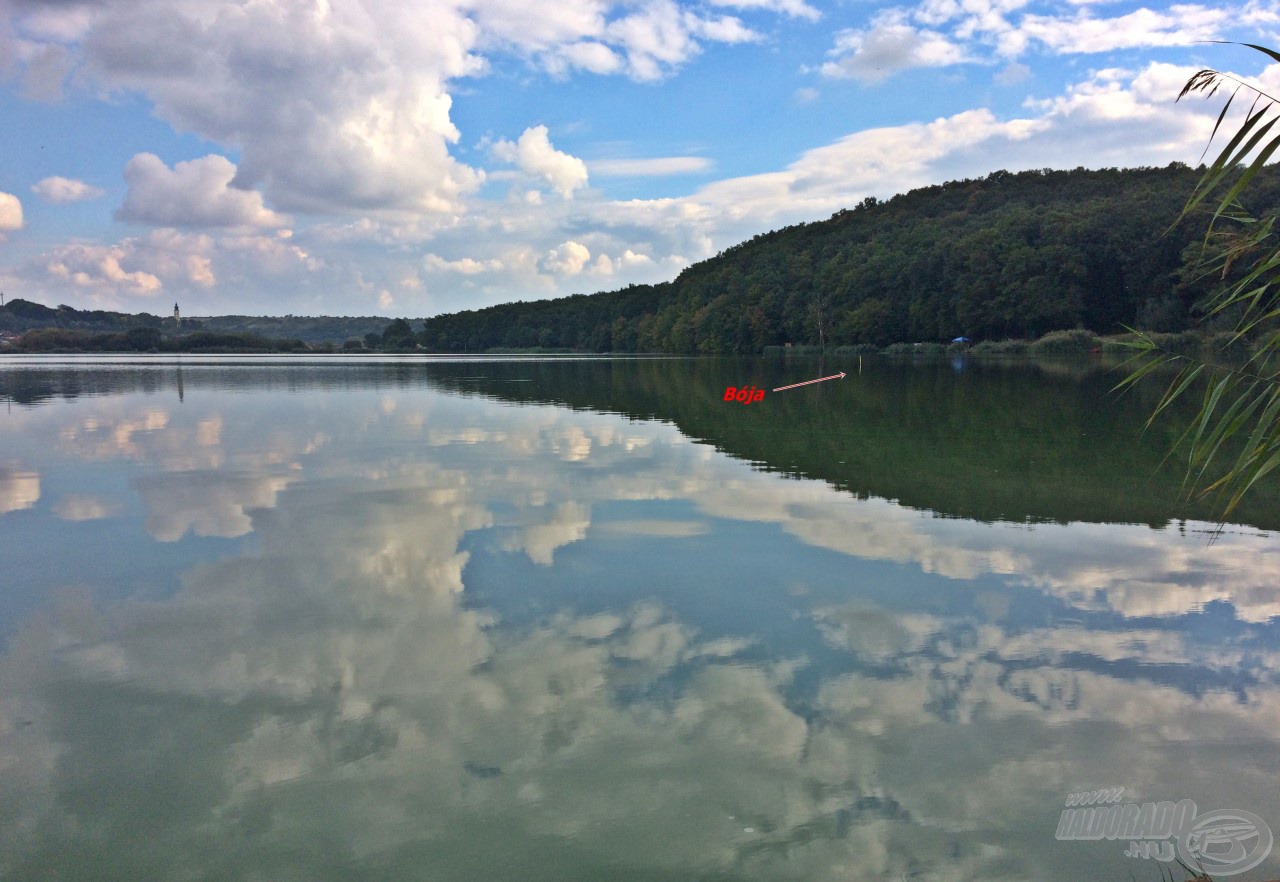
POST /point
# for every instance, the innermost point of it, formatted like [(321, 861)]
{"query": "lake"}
[(583, 619)]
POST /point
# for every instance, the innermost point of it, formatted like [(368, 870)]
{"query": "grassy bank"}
[(1217, 346)]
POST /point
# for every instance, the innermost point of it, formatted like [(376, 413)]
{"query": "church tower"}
[(177, 316)]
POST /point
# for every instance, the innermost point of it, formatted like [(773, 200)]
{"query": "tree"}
[(1234, 440), (398, 335)]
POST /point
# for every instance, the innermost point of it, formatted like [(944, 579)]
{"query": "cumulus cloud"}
[(890, 45), (196, 193), (102, 267), (341, 107), (1085, 33), (59, 190), (346, 108), (995, 24), (534, 155), (660, 36), (10, 214), (165, 258), (586, 55), (535, 27), (607, 266), (567, 259)]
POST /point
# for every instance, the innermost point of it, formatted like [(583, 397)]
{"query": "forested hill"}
[(18, 315), (1009, 255)]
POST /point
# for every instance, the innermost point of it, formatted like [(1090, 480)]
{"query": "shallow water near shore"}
[(407, 618)]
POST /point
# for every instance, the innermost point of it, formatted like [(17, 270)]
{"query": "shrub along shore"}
[(1052, 345)]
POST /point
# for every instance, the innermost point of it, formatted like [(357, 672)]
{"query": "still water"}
[(586, 620)]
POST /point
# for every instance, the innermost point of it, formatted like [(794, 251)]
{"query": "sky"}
[(414, 157)]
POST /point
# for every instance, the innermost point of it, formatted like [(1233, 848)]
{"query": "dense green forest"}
[(1006, 256)]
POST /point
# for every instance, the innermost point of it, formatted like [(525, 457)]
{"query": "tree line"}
[(1010, 255)]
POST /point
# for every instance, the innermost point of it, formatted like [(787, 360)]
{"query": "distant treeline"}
[(144, 339), (1006, 256), (20, 315)]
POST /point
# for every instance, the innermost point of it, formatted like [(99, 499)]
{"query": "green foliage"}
[(1234, 441), (1000, 347), (396, 337), (149, 340), (1073, 342)]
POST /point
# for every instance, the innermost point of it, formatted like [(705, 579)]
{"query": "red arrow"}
[(839, 376)]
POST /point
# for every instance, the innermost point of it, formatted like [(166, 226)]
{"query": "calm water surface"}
[(585, 620)]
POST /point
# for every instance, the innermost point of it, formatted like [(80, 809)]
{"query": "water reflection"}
[(417, 634)]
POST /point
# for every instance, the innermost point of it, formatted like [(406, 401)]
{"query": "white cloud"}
[(467, 266), (606, 266), (59, 190), (567, 259), (1012, 74), (143, 266), (196, 193), (793, 8), (333, 107), (272, 255), (534, 155), (660, 166), (207, 503), (726, 29), (47, 69), (890, 45), (538, 27), (647, 41), (587, 55), (10, 213), (102, 268), (1179, 26), (661, 36)]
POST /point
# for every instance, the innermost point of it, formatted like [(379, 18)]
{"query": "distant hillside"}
[(1009, 255), (309, 329), (23, 315), (20, 315)]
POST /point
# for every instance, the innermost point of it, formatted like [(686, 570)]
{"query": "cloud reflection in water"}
[(345, 699)]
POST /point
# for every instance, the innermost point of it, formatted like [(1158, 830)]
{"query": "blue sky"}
[(411, 157)]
